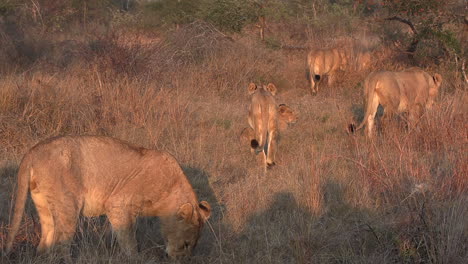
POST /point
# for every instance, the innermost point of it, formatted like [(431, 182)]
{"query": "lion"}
[(411, 90), (98, 175), (325, 62), (286, 116), (363, 60), (262, 118)]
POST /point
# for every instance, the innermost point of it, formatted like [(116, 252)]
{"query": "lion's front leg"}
[(123, 226), (414, 116)]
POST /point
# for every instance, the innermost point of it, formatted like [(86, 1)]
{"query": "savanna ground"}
[(182, 88)]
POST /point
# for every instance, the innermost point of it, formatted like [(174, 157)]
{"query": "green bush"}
[(272, 43), (170, 12), (6, 6), (229, 15), (428, 18)]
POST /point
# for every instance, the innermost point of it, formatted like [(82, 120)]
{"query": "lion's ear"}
[(282, 108), (205, 209), (437, 79), (271, 88), (185, 212), (252, 88)]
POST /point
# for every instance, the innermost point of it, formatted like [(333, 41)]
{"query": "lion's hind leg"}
[(315, 80), (57, 207), (66, 219), (271, 149), (58, 216), (372, 107), (47, 222)]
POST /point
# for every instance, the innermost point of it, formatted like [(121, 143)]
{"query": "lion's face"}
[(287, 115), (182, 235), (182, 240), (434, 90)]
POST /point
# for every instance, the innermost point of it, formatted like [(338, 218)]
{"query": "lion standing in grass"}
[(325, 62), (94, 176), (286, 116), (263, 115), (411, 90)]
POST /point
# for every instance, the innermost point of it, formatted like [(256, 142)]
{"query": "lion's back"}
[(410, 85), (96, 162)]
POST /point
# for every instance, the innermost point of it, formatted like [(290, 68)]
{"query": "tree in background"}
[(430, 22)]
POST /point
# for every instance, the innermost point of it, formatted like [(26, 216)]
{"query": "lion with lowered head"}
[(95, 175), (411, 91)]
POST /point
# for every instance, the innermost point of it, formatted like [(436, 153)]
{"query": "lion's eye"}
[(186, 245)]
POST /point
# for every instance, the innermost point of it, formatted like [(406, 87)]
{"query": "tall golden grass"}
[(332, 198)]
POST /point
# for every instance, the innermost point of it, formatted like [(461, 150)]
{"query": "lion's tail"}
[(24, 175), (310, 70), (261, 129)]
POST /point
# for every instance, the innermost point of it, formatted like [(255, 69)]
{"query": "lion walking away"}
[(263, 115)]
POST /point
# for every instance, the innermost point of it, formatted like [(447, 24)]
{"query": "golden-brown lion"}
[(325, 62), (94, 176), (286, 116), (411, 90), (263, 115)]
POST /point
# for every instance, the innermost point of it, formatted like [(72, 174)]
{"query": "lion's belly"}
[(403, 106), (93, 204)]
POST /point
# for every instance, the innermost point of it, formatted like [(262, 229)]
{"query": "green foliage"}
[(229, 15), (413, 7), (226, 15), (169, 12), (278, 10), (272, 43), (449, 39), (340, 7), (6, 7), (223, 123), (428, 16)]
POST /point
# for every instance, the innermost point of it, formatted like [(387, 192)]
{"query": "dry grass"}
[(333, 198)]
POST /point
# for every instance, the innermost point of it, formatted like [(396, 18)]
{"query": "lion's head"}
[(252, 88), (434, 89), (286, 114), (181, 232)]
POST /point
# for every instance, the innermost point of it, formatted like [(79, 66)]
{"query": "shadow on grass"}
[(275, 235), (288, 232), (202, 187)]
